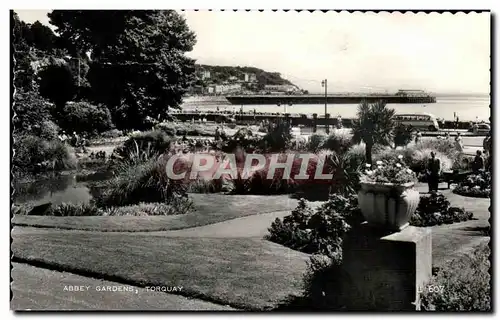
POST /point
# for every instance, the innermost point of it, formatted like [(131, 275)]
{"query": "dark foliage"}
[(402, 135), (57, 84), (466, 283), (338, 142), (278, 138), (320, 231), (435, 209), (34, 154), (31, 112), (139, 68), (83, 117)]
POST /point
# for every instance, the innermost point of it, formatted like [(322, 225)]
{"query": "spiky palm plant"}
[(374, 125)]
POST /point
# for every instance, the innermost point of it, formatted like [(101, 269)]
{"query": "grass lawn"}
[(210, 208), (250, 274)]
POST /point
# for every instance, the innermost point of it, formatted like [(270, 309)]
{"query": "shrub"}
[(324, 283), (260, 184), (150, 142), (357, 152), (402, 135), (319, 232), (47, 130), (315, 142), (244, 139), (472, 192), (420, 159), (178, 206), (193, 129), (68, 209), (84, 117), (338, 141), (466, 282), (31, 111), (113, 133), (167, 127), (141, 182), (435, 209), (278, 138), (475, 185), (462, 162), (61, 210), (206, 186), (346, 174), (444, 146), (292, 232), (33, 153)]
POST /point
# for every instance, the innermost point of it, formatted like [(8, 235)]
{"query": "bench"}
[(454, 176)]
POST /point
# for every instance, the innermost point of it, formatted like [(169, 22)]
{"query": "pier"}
[(330, 99)]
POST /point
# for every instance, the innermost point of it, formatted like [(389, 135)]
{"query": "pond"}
[(68, 188)]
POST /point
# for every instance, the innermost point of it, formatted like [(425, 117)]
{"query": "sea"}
[(466, 108)]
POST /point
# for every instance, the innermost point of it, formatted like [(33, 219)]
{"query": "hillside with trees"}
[(221, 74)]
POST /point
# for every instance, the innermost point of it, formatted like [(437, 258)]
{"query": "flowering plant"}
[(393, 171)]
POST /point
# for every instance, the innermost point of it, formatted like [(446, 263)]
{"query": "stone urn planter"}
[(388, 206)]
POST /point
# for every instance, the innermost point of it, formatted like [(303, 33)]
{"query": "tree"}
[(374, 125), (138, 67), (57, 84), (43, 37), (20, 45)]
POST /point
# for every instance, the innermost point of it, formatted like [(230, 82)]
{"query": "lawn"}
[(210, 208), (249, 274)]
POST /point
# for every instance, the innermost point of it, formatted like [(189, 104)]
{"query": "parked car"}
[(480, 128)]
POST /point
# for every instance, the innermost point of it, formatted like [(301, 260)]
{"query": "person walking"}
[(475, 127), (433, 170), (478, 163), (459, 143), (487, 144), (217, 134), (418, 137)]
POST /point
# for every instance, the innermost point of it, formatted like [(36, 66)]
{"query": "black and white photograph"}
[(251, 160)]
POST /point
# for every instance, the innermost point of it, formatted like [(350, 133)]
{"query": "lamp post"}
[(324, 84), (284, 106)]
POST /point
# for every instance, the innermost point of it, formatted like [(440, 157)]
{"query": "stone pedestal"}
[(386, 271)]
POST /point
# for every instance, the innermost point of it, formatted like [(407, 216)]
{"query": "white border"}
[(191, 4)]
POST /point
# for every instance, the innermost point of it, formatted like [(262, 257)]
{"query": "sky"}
[(440, 53)]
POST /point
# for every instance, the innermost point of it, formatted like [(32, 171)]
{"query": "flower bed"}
[(475, 185), (435, 209), (391, 171), (320, 231)]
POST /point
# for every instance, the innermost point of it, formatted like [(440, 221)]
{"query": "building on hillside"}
[(281, 88), (205, 74), (250, 77), (224, 88)]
